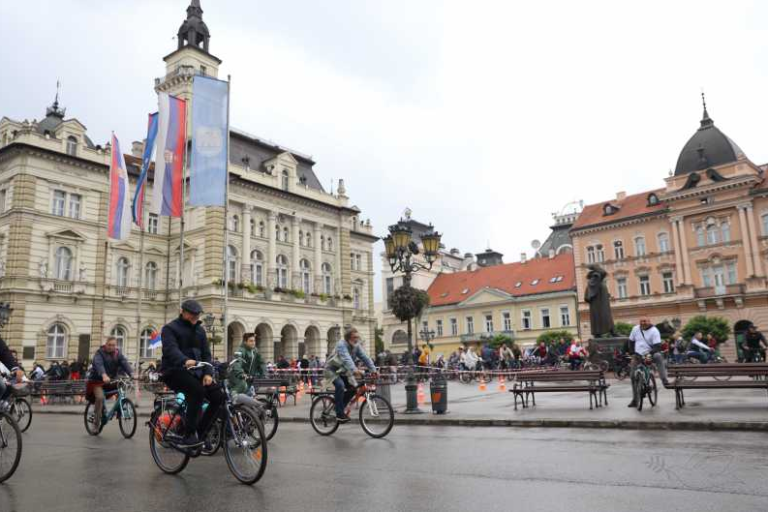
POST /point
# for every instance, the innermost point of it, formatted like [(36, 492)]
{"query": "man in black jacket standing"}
[(6, 357), (184, 344)]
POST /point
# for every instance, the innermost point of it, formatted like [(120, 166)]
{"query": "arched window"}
[(277, 232), (257, 268), (640, 246), (122, 272), (591, 254), (301, 237), (282, 272), (55, 342), (119, 334), (306, 276), (327, 279), (663, 242), (145, 351), (262, 229), (253, 226), (618, 249), (286, 235), (285, 179), (231, 263), (150, 276), (63, 269), (235, 224), (309, 239), (356, 298), (599, 254), (72, 145)]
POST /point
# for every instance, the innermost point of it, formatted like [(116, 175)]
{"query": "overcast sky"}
[(483, 117)]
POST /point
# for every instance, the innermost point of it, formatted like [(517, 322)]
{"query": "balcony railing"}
[(717, 291), (485, 336), (150, 294), (62, 287)]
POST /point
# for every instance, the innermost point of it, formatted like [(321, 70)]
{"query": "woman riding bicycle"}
[(340, 369)]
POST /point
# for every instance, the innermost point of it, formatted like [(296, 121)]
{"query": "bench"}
[(686, 376), (525, 383), (51, 389), (270, 387)]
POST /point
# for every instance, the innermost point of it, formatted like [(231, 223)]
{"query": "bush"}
[(553, 337), (715, 325), (622, 328), (499, 339), (408, 303), (299, 294)]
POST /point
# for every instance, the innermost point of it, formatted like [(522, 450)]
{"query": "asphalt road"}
[(413, 469)]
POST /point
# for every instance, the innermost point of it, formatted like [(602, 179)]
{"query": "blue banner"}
[(208, 166)]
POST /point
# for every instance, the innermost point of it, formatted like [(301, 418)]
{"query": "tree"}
[(497, 340), (379, 343), (553, 337), (622, 328), (715, 325)]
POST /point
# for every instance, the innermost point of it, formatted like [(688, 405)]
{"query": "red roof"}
[(550, 275), (630, 206)]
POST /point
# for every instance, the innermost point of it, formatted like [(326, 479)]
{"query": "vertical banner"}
[(169, 161), (210, 138), (119, 213), (141, 184)]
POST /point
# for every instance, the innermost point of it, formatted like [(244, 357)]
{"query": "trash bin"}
[(384, 390), (438, 392)]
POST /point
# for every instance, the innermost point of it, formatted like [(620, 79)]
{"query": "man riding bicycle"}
[(754, 343), (647, 341), (698, 349), (247, 365), (184, 345), (6, 356), (342, 371), (107, 364)]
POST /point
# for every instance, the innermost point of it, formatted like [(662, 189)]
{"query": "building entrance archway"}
[(235, 332)]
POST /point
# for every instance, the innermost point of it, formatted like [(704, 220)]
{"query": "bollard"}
[(438, 390)]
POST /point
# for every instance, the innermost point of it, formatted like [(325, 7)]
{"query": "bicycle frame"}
[(118, 406)]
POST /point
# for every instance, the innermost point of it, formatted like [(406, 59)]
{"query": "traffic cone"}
[(301, 385), (282, 395), (420, 397), (502, 385), (483, 387)]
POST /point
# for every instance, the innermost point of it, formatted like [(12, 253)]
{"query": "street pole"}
[(411, 387)]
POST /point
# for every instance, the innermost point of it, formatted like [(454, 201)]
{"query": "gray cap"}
[(192, 306)]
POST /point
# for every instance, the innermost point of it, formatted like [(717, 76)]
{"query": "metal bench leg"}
[(590, 400)]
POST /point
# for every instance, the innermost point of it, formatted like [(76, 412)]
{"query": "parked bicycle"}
[(123, 409), (645, 382), (376, 414), (10, 442)]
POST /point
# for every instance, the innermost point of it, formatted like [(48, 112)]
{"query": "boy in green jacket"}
[(247, 364)]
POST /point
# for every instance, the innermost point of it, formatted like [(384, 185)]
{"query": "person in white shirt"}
[(471, 359), (699, 349), (647, 340)]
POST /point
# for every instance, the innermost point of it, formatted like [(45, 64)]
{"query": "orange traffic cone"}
[(282, 395), (420, 397), (301, 385), (502, 385), (483, 387)]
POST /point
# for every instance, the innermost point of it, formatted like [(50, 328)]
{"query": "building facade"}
[(299, 259), (696, 246)]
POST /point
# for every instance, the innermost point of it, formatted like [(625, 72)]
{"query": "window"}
[(285, 179), (286, 235), (262, 229), (145, 352), (526, 320), (3, 197), (507, 320), (277, 232), (390, 286), (663, 242), (282, 272), (231, 265), (203, 70), (75, 201), (621, 287), (488, 323), (618, 250), (59, 199), (645, 285), (234, 224), (599, 253), (565, 316), (439, 327), (425, 325), (150, 276), (306, 276), (454, 327), (352, 261), (63, 268), (119, 334), (732, 277), (591, 254), (668, 281), (356, 298), (359, 261), (700, 239), (322, 242), (54, 347), (72, 145), (712, 234), (470, 325), (253, 227), (725, 231), (122, 272), (640, 246), (327, 279), (309, 240), (330, 243), (257, 268), (545, 320), (153, 224), (301, 237)]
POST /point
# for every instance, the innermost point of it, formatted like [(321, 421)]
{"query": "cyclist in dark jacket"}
[(6, 356), (184, 344), (108, 363)]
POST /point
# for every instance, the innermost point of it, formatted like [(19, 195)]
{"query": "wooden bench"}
[(64, 389), (271, 386), (692, 376), (525, 383)]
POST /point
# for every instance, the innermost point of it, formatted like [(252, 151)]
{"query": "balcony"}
[(719, 291), (62, 286), (485, 336), (150, 294)]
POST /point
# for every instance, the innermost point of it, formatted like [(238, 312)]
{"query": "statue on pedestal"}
[(599, 300)]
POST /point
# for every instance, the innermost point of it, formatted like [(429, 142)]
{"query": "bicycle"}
[(270, 404), (645, 383), (375, 411), (239, 428), (123, 409), (10, 442), (20, 409)]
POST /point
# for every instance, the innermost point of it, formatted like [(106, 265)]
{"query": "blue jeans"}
[(342, 394), (703, 357)]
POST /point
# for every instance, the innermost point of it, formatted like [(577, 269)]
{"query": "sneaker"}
[(632, 404), (189, 441), (665, 383), (343, 418)]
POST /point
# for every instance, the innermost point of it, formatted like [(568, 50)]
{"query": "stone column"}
[(337, 271), (318, 270), (245, 272), (746, 241), (753, 240), (678, 251), (296, 255), (684, 247), (271, 276)]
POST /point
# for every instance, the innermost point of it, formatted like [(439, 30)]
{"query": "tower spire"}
[(194, 32), (705, 119), (54, 109)]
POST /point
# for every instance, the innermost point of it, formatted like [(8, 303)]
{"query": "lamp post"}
[(400, 250), (209, 324)]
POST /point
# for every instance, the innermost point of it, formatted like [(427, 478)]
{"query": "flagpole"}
[(141, 277), (183, 208), (226, 220)]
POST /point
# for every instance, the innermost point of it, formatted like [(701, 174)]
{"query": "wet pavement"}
[(413, 469)]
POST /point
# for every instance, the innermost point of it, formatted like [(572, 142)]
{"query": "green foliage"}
[(552, 338), (299, 294), (497, 340), (622, 328), (215, 340), (408, 303), (324, 297), (379, 343), (715, 325)]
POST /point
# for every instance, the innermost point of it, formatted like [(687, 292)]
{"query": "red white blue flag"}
[(169, 161), (141, 185), (119, 220)]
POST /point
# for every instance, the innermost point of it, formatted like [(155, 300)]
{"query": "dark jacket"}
[(111, 364), (7, 358), (182, 341), (247, 363)]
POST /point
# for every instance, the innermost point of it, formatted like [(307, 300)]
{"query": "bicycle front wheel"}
[(651, 390), (10, 446), (376, 416), (89, 417), (169, 459), (245, 446), (322, 415), (270, 420), (22, 413), (127, 419), (639, 389)]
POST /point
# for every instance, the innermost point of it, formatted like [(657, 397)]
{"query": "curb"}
[(431, 421)]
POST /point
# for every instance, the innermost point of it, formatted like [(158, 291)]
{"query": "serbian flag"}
[(119, 221), (141, 185), (155, 341), (169, 161)]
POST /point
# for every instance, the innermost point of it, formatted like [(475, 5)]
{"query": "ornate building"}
[(698, 245), (299, 258)]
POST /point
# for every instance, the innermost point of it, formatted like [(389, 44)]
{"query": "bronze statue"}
[(599, 300)]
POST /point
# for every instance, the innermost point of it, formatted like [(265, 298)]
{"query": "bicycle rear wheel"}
[(270, 419), (465, 377), (127, 419), (651, 390), (213, 438), (245, 446), (376, 416), (169, 459), (22, 413), (621, 372), (89, 417), (639, 389), (10, 446), (322, 415)]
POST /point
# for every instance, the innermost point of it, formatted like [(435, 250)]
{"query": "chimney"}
[(620, 196), (522, 257), (137, 149)]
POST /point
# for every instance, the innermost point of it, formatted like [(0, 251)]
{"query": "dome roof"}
[(709, 147)]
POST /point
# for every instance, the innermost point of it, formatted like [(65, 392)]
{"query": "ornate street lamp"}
[(209, 324)]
